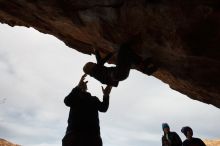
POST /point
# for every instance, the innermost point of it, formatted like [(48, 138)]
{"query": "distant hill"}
[(7, 143), (212, 142)]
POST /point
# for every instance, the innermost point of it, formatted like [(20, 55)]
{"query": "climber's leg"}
[(123, 64)]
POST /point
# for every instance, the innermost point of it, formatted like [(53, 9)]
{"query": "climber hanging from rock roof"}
[(124, 60)]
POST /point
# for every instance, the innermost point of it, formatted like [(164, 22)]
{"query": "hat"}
[(165, 125), (185, 129)]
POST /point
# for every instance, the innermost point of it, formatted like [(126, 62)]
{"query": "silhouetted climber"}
[(191, 141), (170, 138), (112, 75), (83, 122)]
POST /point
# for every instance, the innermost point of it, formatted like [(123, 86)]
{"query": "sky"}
[(38, 70)]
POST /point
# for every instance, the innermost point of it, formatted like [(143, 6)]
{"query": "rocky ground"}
[(7, 143), (212, 142)]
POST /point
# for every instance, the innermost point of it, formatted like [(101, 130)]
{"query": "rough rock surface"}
[(7, 143), (182, 36)]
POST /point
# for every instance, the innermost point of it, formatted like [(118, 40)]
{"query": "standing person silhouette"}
[(83, 122), (190, 140), (170, 138)]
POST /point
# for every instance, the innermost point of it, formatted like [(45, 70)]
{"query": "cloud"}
[(38, 71)]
